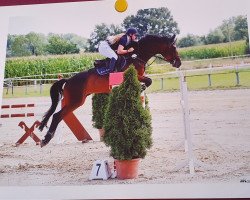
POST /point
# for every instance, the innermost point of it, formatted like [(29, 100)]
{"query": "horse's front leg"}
[(147, 81)]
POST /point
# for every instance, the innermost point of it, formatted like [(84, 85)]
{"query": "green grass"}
[(30, 91), (201, 82)]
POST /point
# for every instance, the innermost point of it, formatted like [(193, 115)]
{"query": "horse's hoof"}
[(143, 87), (43, 143), (85, 141)]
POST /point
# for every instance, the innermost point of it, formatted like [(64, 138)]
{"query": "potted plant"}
[(127, 126), (99, 104)]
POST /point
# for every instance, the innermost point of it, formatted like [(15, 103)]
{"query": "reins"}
[(145, 63), (155, 57)]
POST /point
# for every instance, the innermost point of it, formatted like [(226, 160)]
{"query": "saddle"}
[(102, 66), (102, 63)]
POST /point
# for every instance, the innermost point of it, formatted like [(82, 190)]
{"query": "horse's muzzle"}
[(176, 63)]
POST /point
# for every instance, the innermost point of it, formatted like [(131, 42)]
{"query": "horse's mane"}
[(153, 38)]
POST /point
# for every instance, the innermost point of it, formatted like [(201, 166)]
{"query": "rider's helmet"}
[(131, 31)]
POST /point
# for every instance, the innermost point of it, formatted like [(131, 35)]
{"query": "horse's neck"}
[(147, 52)]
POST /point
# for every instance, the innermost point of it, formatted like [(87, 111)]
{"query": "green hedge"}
[(26, 66), (214, 50)]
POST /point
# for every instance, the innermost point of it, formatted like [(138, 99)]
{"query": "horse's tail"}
[(55, 93)]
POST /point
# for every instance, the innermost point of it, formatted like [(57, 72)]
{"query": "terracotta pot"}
[(127, 169), (101, 133)]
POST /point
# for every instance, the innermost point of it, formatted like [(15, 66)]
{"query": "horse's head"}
[(169, 52)]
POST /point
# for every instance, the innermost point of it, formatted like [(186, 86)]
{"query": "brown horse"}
[(79, 86)]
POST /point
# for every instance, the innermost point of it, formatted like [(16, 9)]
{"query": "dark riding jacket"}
[(124, 41)]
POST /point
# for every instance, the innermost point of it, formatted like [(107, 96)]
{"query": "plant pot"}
[(101, 133), (127, 169)]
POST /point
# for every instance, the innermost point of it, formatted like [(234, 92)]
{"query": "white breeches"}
[(106, 50)]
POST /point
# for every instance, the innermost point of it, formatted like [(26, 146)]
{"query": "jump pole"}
[(22, 111), (192, 162), (186, 124), (184, 113)]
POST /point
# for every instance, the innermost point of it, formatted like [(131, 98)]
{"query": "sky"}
[(196, 17)]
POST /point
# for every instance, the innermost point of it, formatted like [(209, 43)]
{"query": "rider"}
[(117, 44)]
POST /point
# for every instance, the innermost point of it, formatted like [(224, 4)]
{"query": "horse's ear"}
[(173, 40)]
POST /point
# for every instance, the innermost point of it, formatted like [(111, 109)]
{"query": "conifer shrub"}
[(99, 104), (127, 125)]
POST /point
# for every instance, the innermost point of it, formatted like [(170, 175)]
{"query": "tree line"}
[(232, 29), (35, 44), (147, 21)]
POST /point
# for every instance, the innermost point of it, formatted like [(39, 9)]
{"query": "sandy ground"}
[(220, 125)]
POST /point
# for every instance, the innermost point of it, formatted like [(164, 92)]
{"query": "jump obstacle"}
[(29, 131), (71, 120), (191, 162), (23, 111)]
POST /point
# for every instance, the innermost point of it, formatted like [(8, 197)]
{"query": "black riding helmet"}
[(131, 31)]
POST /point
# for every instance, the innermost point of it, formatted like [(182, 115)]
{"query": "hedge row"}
[(214, 50), (28, 66)]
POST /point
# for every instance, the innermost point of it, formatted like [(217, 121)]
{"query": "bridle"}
[(155, 57)]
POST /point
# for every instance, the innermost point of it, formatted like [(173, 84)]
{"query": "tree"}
[(80, 42), (99, 105), (36, 43), (10, 40), (101, 32), (215, 37), (240, 28), (20, 46), (157, 21), (235, 28), (58, 45), (189, 40), (227, 29)]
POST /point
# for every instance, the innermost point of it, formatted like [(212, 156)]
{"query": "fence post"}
[(35, 86), (161, 83), (209, 75), (237, 76), (12, 88), (209, 80), (26, 88), (41, 87)]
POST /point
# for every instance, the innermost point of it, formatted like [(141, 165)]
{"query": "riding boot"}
[(112, 64), (120, 63)]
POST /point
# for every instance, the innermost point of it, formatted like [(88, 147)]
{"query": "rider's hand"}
[(131, 49)]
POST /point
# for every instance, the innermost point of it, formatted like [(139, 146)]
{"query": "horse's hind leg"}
[(57, 118)]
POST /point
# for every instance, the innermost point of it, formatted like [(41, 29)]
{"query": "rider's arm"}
[(121, 50)]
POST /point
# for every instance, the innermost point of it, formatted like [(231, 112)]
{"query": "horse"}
[(75, 89)]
